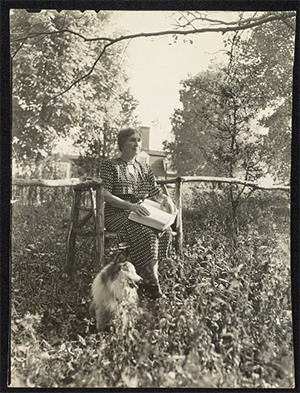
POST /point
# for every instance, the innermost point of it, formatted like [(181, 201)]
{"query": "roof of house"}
[(155, 153), (69, 157), (158, 168)]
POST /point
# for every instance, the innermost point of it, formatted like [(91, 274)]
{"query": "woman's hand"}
[(168, 205), (139, 209)]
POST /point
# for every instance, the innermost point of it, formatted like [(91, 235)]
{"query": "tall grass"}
[(226, 321)]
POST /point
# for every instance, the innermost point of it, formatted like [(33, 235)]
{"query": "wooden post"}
[(72, 233), (79, 184), (99, 225), (178, 202)]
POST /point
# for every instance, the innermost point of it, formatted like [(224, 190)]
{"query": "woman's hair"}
[(124, 134)]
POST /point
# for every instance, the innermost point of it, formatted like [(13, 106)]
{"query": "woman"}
[(126, 182)]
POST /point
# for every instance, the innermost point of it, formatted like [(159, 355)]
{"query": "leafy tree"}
[(213, 132), (44, 63), (262, 64), (191, 137), (219, 129), (97, 141), (267, 59), (262, 59), (71, 42)]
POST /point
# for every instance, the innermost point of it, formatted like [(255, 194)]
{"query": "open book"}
[(158, 218)]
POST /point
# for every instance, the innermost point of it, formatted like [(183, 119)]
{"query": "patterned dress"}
[(145, 243)]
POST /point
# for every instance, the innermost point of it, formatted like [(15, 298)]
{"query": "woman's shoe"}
[(150, 286), (152, 291)]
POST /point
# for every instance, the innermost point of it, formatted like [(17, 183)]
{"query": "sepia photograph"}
[(151, 160)]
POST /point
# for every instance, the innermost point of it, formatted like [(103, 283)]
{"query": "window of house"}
[(64, 168), (143, 160), (143, 157)]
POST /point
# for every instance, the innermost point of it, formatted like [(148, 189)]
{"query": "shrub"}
[(226, 321)]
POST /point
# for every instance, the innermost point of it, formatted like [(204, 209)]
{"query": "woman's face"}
[(132, 145)]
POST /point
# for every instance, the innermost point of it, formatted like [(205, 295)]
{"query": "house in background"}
[(65, 165), (158, 161)]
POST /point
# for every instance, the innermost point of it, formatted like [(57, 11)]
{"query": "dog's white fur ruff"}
[(114, 293)]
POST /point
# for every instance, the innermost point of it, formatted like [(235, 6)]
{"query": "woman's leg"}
[(151, 281), (143, 243), (149, 273), (144, 246), (164, 244), (147, 246)]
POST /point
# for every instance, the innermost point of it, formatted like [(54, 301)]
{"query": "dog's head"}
[(121, 265), (128, 271)]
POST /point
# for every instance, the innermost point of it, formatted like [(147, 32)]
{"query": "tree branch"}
[(289, 25), (189, 22), (82, 77), (240, 22), (68, 31), (249, 23), (17, 50), (239, 26)]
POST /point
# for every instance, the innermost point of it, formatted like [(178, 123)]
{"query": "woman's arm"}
[(157, 195), (119, 203), (165, 201)]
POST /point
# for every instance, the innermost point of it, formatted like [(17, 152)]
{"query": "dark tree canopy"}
[(44, 64)]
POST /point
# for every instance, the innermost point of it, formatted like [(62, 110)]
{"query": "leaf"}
[(45, 355), (81, 339), (162, 323), (217, 300), (130, 381), (171, 374)]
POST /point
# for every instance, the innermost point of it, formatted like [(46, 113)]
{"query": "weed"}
[(226, 321)]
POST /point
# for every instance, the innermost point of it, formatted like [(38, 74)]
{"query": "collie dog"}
[(114, 293)]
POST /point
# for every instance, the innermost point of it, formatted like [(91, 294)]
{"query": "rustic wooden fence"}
[(206, 179), (78, 186)]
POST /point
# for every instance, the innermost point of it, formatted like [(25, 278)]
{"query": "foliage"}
[(99, 142), (236, 119), (211, 208), (221, 324), (216, 122), (212, 132), (43, 64), (266, 65)]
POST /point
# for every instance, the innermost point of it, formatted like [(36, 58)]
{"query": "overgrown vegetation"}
[(226, 321)]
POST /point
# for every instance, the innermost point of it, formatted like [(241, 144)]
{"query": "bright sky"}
[(157, 65)]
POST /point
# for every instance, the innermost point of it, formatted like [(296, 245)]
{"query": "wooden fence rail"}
[(75, 181), (209, 179), (96, 184)]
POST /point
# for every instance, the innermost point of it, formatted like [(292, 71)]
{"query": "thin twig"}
[(81, 78), (250, 23)]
